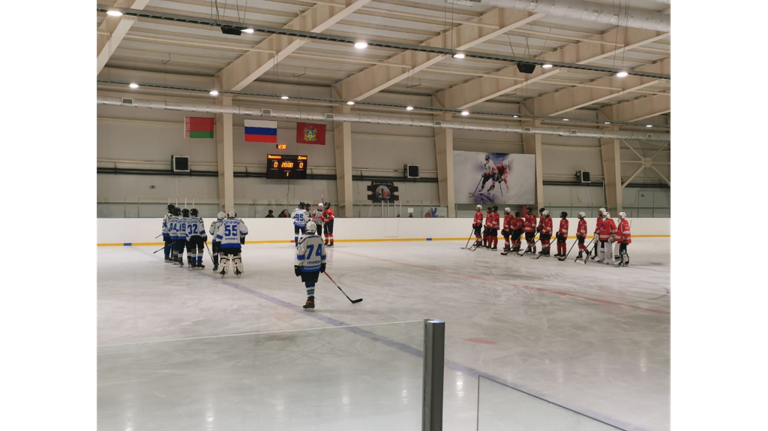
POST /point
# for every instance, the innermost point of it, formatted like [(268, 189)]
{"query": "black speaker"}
[(232, 31), (526, 67), (412, 171), (180, 163)]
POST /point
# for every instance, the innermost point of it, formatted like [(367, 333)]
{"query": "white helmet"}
[(232, 213), (582, 214), (606, 215), (320, 205), (507, 210), (545, 213), (221, 215), (311, 227), (602, 211), (479, 207), (622, 215)]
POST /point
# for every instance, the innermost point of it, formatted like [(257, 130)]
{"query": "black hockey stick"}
[(161, 248), (158, 236), (586, 259), (569, 252), (478, 185), (354, 301), (466, 246), (542, 252), (209, 253), (528, 248)]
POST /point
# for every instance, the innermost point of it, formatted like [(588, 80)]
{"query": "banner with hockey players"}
[(486, 178)]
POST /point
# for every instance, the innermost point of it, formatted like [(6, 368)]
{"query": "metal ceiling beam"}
[(112, 31), (639, 109)]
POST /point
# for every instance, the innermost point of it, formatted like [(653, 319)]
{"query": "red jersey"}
[(529, 223), (501, 169), (581, 230), (478, 221), (546, 225), (496, 220), (508, 220), (605, 228), (624, 235), (489, 221), (597, 225), (328, 216), (563, 227), (517, 223)]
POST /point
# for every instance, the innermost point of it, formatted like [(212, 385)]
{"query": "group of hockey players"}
[(607, 234), (184, 230), (323, 217)]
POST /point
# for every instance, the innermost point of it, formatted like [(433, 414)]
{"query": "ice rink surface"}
[(593, 338)]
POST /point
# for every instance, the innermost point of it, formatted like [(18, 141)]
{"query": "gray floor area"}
[(590, 337)]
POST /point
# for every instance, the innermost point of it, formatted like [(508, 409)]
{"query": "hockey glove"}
[(612, 238), (322, 267), (242, 240), (297, 270)]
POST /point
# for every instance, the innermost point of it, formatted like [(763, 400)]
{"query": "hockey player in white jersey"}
[(300, 218), (182, 228), (310, 262), (174, 233), (317, 217), (231, 235), (166, 236), (196, 238), (216, 245)]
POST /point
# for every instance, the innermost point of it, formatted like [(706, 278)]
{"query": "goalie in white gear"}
[(300, 218), (231, 235), (310, 262)]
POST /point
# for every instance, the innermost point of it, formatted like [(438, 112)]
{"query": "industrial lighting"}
[(284, 97), (409, 108), (649, 125), (361, 45), (350, 103), (133, 85), (622, 74), (464, 113), (607, 122), (565, 119), (114, 13), (214, 93), (459, 55), (248, 30), (515, 116), (547, 66)]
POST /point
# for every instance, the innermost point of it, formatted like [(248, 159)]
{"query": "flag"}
[(260, 131), (198, 127), (310, 133)]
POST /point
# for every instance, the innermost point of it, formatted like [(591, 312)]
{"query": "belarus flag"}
[(261, 131)]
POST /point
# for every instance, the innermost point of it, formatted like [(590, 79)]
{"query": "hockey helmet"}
[(171, 207), (221, 215), (602, 211), (185, 212), (487, 157), (327, 205), (545, 213), (320, 206), (507, 210), (495, 207), (232, 213), (542, 209), (479, 207), (622, 215), (311, 227), (606, 215), (582, 214), (177, 211), (193, 212), (563, 214)]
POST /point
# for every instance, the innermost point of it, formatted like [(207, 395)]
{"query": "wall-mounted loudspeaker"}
[(526, 67), (180, 163), (583, 177), (411, 171)]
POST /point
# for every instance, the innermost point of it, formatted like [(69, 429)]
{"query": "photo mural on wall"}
[(494, 178)]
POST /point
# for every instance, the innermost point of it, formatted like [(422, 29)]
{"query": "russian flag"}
[(261, 131)]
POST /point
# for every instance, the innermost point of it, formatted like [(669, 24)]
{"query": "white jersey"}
[(300, 217), (181, 227), (317, 217), (195, 227), (230, 232), (489, 167), (310, 253), (166, 222), (215, 228), (173, 229)]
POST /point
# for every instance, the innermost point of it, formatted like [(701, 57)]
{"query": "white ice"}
[(593, 338)]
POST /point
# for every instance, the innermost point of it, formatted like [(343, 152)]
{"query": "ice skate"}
[(505, 252), (216, 268), (310, 305), (200, 266), (238, 273)]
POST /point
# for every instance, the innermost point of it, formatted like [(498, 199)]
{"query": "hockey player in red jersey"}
[(477, 224), (581, 234), (502, 169), (506, 230), (517, 231), (562, 234), (328, 218), (600, 213), (529, 227), (624, 238), (545, 234), (487, 229), (494, 240), (606, 230)]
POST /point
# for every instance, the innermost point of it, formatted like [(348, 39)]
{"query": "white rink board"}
[(144, 230)]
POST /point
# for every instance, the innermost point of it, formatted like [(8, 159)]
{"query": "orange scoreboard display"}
[(281, 166)]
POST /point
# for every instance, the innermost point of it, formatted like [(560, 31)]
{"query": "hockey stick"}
[(466, 246), (569, 252), (158, 236), (542, 251), (209, 253), (354, 301), (587, 250), (161, 248), (478, 185), (528, 248), (594, 249)]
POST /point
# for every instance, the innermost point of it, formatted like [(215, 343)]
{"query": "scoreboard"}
[(281, 166)]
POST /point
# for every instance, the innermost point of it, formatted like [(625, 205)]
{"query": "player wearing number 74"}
[(310, 262)]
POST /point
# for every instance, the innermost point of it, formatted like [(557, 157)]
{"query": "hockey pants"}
[(231, 255), (623, 253)]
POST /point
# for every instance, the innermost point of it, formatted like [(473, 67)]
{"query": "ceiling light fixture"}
[(114, 13), (547, 66), (622, 74), (649, 125), (133, 85), (459, 55), (350, 103), (214, 93), (565, 119), (361, 45), (607, 122), (464, 113), (284, 97), (248, 30), (515, 116), (409, 108)]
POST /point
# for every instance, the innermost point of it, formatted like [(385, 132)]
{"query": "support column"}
[(444, 150), (610, 150), (225, 156), (342, 142), (532, 145)]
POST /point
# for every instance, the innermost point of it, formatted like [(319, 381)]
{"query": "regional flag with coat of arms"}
[(307, 133)]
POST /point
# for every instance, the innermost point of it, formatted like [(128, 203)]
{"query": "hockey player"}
[(624, 238), (600, 213), (231, 235), (328, 218), (606, 231), (517, 231), (545, 233), (310, 262), (581, 234), (300, 218), (317, 217), (562, 234), (215, 243), (196, 238), (477, 224), (173, 233), (506, 231), (501, 175), (166, 236), (529, 227), (487, 229), (183, 236), (181, 232), (495, 228), (489, 173)]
